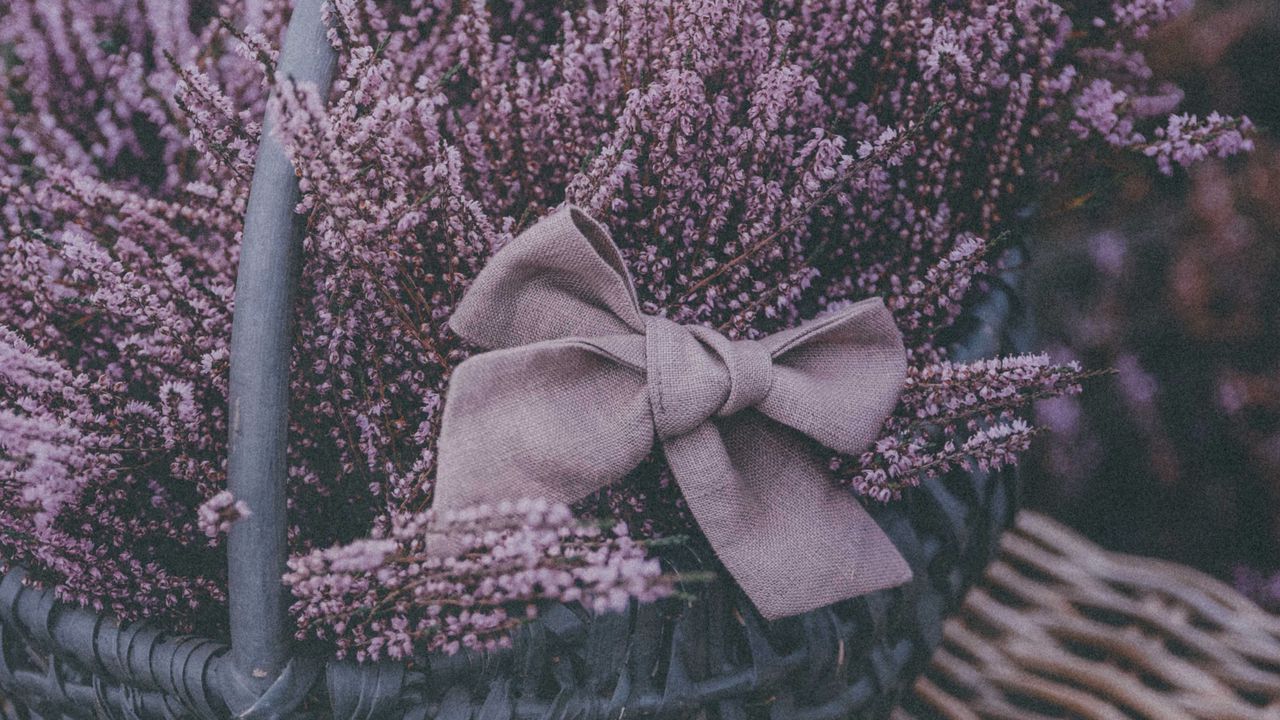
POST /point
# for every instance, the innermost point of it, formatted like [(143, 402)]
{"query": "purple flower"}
[(502, 559), (1188, 139), (757, 163), (218, 512)]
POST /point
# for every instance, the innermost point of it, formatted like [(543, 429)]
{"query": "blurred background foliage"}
[(1174, 283)]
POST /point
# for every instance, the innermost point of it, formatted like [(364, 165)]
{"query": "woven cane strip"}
[(1061, 628)]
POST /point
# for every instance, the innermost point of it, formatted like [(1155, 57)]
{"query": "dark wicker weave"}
[(712, 658)]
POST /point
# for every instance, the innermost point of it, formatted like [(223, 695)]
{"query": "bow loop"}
[(580, 383), (561, 278), (838, 377)]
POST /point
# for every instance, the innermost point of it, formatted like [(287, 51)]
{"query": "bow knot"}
[(579, 383), (695, 373)]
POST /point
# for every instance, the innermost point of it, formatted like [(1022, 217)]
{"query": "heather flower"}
[(504, 561), (1141, 15), (933, 301), (757, 163), (1100, 110), (218, 512), (947, 394), (957, 415), (896, 463), (1187, 140)]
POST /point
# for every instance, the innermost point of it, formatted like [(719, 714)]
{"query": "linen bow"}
[(579, 382)]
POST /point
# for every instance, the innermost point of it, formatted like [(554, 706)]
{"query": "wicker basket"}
[(1059, 628), (713, 657)]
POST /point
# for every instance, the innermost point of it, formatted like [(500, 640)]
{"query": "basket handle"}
[(261, 339)]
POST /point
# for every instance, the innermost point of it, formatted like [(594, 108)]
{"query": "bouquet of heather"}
[(758, 164)]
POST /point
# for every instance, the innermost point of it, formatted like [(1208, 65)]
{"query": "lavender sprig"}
[(389, 597), (782, 159)]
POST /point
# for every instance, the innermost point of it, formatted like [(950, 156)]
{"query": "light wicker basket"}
[(1061, 628)]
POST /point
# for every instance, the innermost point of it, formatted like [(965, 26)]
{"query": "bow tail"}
[(792, 538)]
